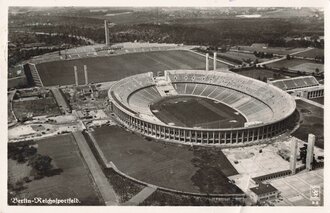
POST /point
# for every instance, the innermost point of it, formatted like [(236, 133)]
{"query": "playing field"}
[(191, 111), (274, 50), (185, 168), (261, 74), (74, 182), (308, 67), (312, 122), (297, 64), (112, 68), (312, 53), (240, 56)]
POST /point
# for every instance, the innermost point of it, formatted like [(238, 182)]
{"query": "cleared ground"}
[(197, 112), (10, 114), (101, 69), (36, 107), (312, 121), (75, 180), (253, 162), (184, 168)]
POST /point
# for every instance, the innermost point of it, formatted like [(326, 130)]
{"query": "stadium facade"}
[(268, 110)]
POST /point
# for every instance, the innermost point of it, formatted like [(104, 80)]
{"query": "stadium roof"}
[(296, 83)]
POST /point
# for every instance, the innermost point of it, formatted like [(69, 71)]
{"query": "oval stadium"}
[(199, 107)]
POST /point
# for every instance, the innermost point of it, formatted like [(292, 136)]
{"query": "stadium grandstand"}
[(267, 110), (304, 86)]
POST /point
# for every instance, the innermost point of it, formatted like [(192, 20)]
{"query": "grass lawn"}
[(74, 182), (113, 68), (288, 63), (196, 112), (318, 100), (274, 50), (308, 67), (184, 168), (240, 56), (260, 74), (161, 198), (312, 122), (312, 53)]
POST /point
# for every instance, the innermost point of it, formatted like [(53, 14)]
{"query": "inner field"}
[(192, 111)]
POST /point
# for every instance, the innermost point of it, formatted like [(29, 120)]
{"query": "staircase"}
[(165, 87)]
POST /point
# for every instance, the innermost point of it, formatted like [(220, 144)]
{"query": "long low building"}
[(304, 86), (268, 111)]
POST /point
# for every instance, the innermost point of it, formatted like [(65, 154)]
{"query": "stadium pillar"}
[(214, 60), (106, 31), (86, 74), (213, 137), (310, 152), (293, 157), (207, 62), (75, 75)]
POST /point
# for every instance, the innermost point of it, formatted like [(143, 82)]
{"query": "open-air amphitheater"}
[(268, 111)]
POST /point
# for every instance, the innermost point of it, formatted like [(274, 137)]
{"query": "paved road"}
[(272, 61), (282, 58), (312, 102), (60, 100), (141, 196), (305, 50), (106, 190)]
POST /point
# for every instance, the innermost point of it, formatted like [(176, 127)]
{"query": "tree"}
[(41, 163), (317, 70), (274, 75), (264, 79), (255, 53)]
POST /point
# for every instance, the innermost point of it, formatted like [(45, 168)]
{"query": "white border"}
[(149, 3)]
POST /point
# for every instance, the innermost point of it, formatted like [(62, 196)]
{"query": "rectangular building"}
[(264, 192)]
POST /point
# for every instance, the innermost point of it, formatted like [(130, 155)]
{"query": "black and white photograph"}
[(164, 105)]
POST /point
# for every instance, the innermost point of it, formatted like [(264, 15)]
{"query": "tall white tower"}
[(293, 157), (214, 60), (207, 62), (310, 151), (106, 31), (75, 75), (86, 74)]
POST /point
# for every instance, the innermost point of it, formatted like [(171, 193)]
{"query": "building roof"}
[(259, 45), (296, 83), (263, 189)]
